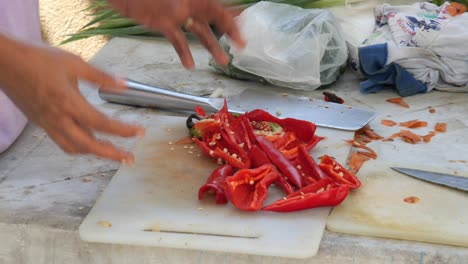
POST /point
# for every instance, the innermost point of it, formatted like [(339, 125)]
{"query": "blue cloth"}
[(372, 60)]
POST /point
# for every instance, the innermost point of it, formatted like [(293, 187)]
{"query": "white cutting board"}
[(160, 193), (377, 207)]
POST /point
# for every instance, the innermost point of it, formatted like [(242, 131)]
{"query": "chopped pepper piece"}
[(337, 172), (281, 162), (321, 193), (215, 184), (247, 189), (304, 130)]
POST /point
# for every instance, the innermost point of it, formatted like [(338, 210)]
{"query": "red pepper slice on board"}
[(280, 161), (337, 172), (247, 189), (304, 130), (215, 184), (259, 158), (321, 193), (285, 185), (308, 165), (216, 153)]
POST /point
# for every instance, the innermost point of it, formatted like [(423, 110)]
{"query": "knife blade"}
[(324, 114), (452, 181)]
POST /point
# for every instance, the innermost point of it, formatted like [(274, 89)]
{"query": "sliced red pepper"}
[(304, 130), (216, 153), (215, 183), (280, 161), (321, 193), (247, 189), (337, 172), (284, 184), (308, 165), (205, 127), (258, 156)]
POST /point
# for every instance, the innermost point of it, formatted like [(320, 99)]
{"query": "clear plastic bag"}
[(288, 46)]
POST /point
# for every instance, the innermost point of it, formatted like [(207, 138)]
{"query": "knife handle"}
[(139, 94)]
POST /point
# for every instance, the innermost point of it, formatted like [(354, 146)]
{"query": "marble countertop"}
[(45, 194)]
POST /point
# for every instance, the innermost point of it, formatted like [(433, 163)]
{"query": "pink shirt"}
[(18, 19)]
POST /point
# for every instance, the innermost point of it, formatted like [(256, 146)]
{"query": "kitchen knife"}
[(452, 181), (324, 114)]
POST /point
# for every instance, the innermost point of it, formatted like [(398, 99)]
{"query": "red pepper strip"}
[(199, 111), (247, 189), (285, 140), (280, 161), (259, 158), (233, 148), (206, 126), (319, 194), (285, 185), (218, 153), (215, 184), (248, 130), (304, 130), (308, 165), (337, 172), (315, 140)]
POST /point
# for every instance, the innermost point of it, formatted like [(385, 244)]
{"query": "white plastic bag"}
[(289, 46)]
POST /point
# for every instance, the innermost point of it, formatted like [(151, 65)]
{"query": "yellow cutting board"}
[(378, 208)]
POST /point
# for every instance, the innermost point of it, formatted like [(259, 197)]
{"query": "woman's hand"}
[(169, 16), (43, 83)]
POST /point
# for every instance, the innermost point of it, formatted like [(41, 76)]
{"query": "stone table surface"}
[(45, 194)]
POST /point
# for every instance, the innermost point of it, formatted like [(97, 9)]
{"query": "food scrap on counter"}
[(389, 123), (411, 199), (358, 157), (398, 101), (331, 97), (413, 124)]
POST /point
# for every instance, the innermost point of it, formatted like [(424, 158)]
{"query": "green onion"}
[(105, 21)]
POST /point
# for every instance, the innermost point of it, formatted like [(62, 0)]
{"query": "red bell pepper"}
[(321, 193), (281, 162), (247, 189), (215, 184), (304, 130), (337, 172)]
